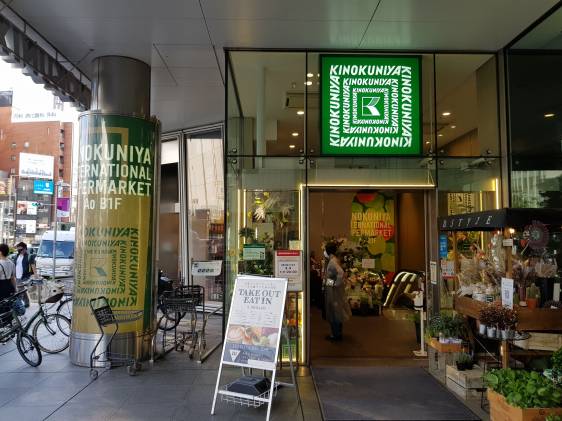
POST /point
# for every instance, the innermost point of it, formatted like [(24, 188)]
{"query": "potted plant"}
[(520, 395), (533, 295), (464, 362), (506, 322), (415, 317), (489, 316)]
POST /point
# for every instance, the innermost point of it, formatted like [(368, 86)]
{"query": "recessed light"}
[(300, 112), (446, 113), (308, 82), (295, 134), (453, 127), (549, 115), (309, 75), (291, 146), (439, 135)]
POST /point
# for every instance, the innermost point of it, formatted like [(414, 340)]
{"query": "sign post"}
[(253, 333)]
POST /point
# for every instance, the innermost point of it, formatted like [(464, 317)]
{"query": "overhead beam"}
[(20, 50)]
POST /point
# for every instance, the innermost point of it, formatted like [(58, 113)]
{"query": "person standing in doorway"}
[(25, 267), (7, 276), (335, 302)]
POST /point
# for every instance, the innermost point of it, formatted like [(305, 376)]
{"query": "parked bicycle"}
[(12, 329), (51, 331)]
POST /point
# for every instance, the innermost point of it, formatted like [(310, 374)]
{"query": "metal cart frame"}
[(180, 302), (106, 316)]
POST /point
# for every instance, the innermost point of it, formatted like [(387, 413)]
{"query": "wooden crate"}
[(444, 348), (461, 391), (500, 410), (469, 379), (541, 341)]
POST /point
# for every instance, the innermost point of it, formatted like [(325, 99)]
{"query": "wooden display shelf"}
[(445, 348), (538, 319)]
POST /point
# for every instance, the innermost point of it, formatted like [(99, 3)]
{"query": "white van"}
[(64, 254)]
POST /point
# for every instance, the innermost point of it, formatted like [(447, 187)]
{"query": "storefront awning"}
[(499, 218)]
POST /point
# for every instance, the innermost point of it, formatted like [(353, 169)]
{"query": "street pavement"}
[(175, 388)]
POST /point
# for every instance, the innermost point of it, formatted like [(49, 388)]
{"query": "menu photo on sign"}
[(254, 323), (288, 264)]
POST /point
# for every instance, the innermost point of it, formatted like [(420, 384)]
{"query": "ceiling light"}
[(446, 113), (549, 115), (427, 142), (453, 127), (291, 146), (309, 75), (300, 112), (295, 134), (308, 82), (439, 135)]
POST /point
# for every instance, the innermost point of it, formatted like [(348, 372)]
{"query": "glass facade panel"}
[(205, 188), (271, 96), (264, 214), (535, 115), (467, 105), (267, 189)]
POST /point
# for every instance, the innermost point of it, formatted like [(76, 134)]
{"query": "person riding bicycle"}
[(7, 275), (25, 267)]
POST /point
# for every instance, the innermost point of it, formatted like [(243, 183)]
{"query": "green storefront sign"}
[(371, 105)]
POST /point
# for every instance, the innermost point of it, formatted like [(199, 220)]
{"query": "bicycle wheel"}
[(65, 308), (52, 333), (28, 349)]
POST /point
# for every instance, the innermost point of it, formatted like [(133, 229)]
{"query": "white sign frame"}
[(206, 267), (272, 368), (33, 165), (285, 260), (507, 292)]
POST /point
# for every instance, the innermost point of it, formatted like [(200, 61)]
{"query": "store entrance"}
[(379, 233)]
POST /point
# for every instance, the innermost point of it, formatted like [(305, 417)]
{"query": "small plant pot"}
[(498, 333), (464, 366), (491, 332), (482, 329), (504, 334), (531, 303)]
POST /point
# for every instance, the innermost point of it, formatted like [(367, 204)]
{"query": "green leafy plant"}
[(524, 389), (449, 326), (553, 417), (557, 360), (464, 362)]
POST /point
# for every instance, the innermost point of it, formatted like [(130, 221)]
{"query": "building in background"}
[(35, 156)]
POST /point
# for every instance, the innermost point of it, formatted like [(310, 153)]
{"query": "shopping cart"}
[(105, 317), (182, 302)]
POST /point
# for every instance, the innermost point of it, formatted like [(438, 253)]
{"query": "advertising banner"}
[(254, 322), (43, 187), (36, 166), (63, 207), (371, 105), (288, 264), (26, 226), (26, 207), (507, 292), (113, 252), (373, 221)]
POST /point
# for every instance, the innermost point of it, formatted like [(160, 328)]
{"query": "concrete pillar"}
[(116, 245)]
